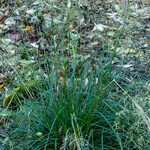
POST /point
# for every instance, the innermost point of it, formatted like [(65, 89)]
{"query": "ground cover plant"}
[(74, 75)]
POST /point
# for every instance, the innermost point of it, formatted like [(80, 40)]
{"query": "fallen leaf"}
[(6, 41), (10, 21), (69, 4), (70, 28), (2, 85), (31, 11), (99, 27), (3, 78), (127, 65), (39, 134), (28, 28), (34, 45), (13, 36), (81, 20)]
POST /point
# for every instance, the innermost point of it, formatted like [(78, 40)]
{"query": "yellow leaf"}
[(28, 28), (2, 85)]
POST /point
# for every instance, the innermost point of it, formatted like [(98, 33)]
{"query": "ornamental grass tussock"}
[(78, 77)]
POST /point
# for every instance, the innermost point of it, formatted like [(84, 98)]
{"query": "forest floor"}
[(75, 74)]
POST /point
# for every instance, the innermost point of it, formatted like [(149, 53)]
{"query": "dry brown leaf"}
[(70, 28), (2, 85)]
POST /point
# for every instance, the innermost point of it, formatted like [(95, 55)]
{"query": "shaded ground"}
[(29, 30)]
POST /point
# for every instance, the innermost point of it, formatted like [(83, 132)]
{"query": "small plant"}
[(78, 82)]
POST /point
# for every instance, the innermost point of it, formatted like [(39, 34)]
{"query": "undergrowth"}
[(76, 107), (63, 95)]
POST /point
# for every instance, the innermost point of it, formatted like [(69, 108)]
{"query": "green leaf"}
[(31, 11), (9, 21), (6, 41)]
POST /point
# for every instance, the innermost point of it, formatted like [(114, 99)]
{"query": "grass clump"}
[(66, 114), (76, 85), (78, 111)]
